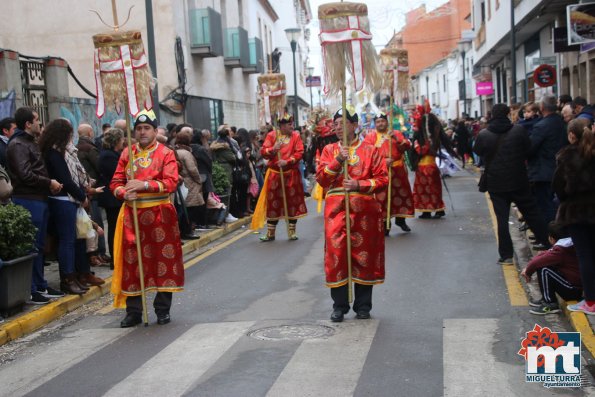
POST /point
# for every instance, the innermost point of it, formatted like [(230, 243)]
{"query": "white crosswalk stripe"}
[(340, 358), (185, 360), (28, 374)]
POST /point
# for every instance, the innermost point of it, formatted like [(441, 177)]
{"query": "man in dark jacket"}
[(547, 138), (32, 186), (7, 128), (582, 109), (504, 149)]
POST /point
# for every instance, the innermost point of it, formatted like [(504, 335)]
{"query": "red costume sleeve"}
[(267, 147), (298, 149), (379, 179), (329, 169)]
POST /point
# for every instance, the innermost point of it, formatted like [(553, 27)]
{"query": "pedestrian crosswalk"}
[(206, 360)]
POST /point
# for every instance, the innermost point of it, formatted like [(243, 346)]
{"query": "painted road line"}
[(184, 361), (329, 367), (580, 323), (215, 249), (516, 292), (21, 377)]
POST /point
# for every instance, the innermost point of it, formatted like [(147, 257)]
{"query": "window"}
[(489, 9), (444, 82), (241, 12)]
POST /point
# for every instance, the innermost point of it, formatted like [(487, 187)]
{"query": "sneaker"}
[(51, 293), (38, 299), (536, 303), (505, 261), (546, 308), (201, 228), (230, 218), (582, 307)]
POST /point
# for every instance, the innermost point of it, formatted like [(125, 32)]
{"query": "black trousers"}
[(111, 214), (526, 204), (551, 283), (362, 298), (161, 303)]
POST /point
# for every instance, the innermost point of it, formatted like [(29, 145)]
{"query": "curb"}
[(578, 321), (32, 321)]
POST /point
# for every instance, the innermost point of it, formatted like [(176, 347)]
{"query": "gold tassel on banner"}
[(346, 43), (271, 95)]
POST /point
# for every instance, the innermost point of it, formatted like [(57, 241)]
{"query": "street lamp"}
[(463, 46), (293, 35), (310, 70)]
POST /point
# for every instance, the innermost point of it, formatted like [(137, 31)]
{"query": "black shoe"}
[(523, 227), (506, 261), (163, 319), (400, 222), (337, 316), (362, 315), (131, 320), (439, 214), (386, 231), (425, 215), (191, 236)]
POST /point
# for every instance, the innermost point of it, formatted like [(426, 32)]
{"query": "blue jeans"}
[(39, 217), (63, 219)]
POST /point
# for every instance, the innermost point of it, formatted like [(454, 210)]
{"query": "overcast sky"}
[(386, 17)]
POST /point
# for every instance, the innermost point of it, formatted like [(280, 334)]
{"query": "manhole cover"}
[(292, 332)]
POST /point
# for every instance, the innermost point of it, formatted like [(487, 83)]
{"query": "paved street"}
[(253, 321)]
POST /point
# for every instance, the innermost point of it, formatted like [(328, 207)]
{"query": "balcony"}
[(481, 36), (256, 63), (236, 50), (206, 39)]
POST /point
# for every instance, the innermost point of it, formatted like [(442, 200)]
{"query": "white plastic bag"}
[(83, 223)]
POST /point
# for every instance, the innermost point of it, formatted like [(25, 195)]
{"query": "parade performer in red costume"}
[(367, 176), (429, 137), (283, 149), (401, 197), (155, 178)]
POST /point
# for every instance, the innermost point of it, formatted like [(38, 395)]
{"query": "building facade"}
[(208, 52)]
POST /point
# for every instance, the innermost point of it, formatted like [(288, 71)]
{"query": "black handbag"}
[(240, 176)]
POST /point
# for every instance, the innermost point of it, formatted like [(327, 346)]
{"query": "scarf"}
[(77, 171)]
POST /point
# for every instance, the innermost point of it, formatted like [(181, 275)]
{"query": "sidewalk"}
[(35, 317), (580, 322)]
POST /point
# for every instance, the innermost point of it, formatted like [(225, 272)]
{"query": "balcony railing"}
[(256, 60), (236, 50), (481, 36), (205, 32)]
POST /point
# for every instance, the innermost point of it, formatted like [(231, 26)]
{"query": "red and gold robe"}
[(427, 188), (401, 201), (367, 166), (161, 247), (292, 150)]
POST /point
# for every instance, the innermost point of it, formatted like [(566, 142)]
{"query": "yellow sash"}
[(318, 195), (260, 212), (145, 200), (427, 160)]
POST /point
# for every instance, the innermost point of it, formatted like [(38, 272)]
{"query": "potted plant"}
[(17, 237), (220, 180)]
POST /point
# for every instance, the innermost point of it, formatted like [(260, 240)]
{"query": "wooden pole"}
[(390, 155), (347, 144), (284, 195), (139, 252)]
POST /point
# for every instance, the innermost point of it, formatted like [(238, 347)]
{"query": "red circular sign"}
[(545, 75)]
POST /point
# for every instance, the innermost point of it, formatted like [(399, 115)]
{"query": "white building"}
[(534, 23), (225, 44)]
